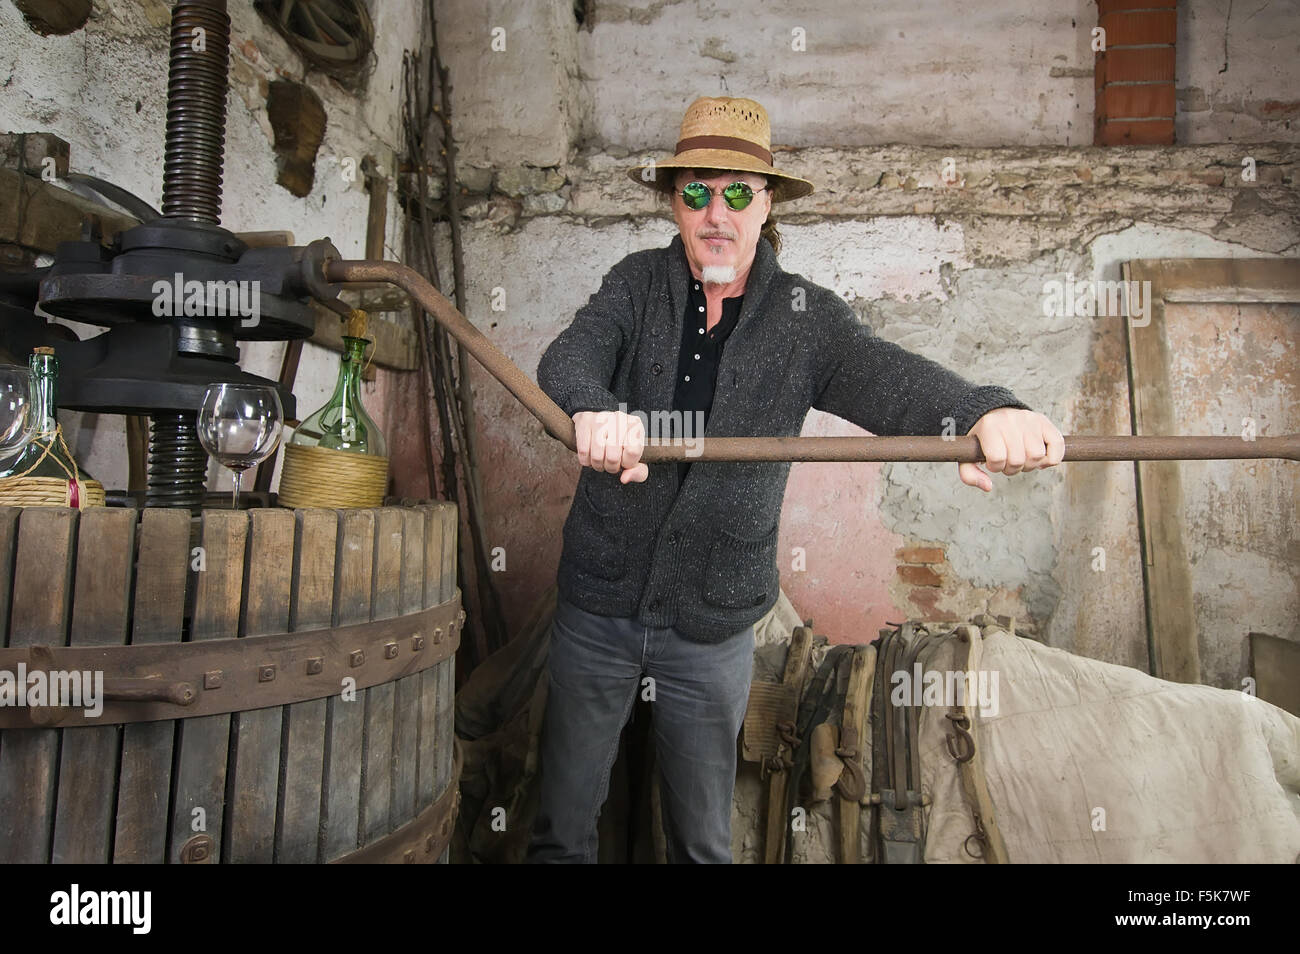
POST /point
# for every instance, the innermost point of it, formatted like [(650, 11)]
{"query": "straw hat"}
[(724, 133)]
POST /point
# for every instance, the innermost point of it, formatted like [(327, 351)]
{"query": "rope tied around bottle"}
[(24, 490)]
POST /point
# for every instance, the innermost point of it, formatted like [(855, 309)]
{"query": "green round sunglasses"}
[(738, 195)]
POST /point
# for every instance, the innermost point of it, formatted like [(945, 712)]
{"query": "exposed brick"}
[(1137, 102), (920, 554), (926, 601), (1133, 29), (919, 576), (1116, 6), (1140, 66), (1156, 133)]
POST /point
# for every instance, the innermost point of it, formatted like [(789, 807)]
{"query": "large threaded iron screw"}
[(197, 84)]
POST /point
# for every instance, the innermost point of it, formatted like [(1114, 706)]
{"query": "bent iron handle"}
[(114, 690), (148, 690), (965, 449)]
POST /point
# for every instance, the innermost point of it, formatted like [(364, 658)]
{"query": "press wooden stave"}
[(303, 782)]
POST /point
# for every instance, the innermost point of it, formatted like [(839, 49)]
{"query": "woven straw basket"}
[(22, 490), (322, 477)]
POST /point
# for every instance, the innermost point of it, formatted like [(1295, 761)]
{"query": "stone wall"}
[(532, 79)]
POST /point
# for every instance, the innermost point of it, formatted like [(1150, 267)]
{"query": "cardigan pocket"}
[(741, 572), (594, 540)]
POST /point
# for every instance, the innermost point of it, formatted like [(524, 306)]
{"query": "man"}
[(665, 570)]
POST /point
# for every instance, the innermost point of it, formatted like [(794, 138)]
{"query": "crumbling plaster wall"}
[(1236, 76), (529, 81), (954, 271), (103, 88)]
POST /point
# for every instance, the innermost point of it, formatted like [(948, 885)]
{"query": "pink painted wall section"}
[(393, 400), (849, 566), (528, 477), (411, 448)]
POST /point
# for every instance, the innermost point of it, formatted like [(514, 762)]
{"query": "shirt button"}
[(654, 605), (688, 377), (701, 331), (656, 368), (674, 537), (701, 308), (697, 357)]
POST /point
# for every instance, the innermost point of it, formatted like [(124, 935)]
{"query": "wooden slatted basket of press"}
[(249, 685)]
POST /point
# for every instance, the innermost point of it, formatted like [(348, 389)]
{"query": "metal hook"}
[(961, 724)]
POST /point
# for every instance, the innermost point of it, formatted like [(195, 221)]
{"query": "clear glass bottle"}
[(343, 424), (46, 455)]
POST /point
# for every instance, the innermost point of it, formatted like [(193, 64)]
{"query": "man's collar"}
[(695, 288)]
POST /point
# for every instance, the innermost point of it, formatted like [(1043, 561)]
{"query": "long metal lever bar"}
[(560, 426)]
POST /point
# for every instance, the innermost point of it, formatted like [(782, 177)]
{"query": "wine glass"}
[(239, 425), (17, 423)]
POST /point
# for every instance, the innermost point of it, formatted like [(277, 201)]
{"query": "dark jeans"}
[(597, 664)]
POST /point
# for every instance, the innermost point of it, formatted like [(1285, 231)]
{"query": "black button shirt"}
[(697, 364)]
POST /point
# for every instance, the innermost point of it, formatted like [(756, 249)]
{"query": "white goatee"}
[(718, 274)]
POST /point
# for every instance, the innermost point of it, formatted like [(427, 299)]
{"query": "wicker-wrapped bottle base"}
[(321, 477), (26, 490), (49, 492)]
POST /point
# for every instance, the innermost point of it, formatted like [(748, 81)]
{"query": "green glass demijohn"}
[(343, 424), (46, 455)]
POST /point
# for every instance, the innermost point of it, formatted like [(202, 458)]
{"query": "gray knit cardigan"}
[(704, 559)]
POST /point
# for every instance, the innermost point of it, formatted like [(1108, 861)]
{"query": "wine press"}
[(177, 292)]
